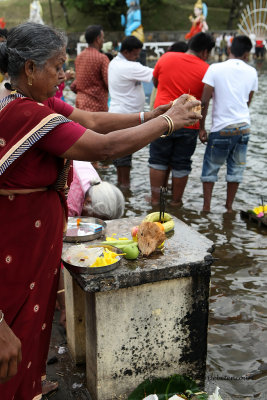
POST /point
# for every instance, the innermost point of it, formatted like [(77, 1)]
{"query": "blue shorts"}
[(230, 146), (175, 151), (125, 161)]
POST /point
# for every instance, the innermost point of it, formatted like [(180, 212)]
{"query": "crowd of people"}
[(108, 122), (182, 69)]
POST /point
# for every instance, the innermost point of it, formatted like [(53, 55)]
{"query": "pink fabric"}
[(83, 174), (59, 93)]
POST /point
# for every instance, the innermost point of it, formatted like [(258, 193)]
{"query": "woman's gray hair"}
[(107, 200), (29, 41)]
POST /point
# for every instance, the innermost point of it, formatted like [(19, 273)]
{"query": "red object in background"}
[(259, 43), (2, 23), (196, 28), (59, 92)]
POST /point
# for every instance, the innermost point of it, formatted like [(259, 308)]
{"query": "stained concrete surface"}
[(71, 378)]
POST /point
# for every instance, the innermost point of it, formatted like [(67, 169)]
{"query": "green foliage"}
[(164, 388), (105, 2), (157, 15)]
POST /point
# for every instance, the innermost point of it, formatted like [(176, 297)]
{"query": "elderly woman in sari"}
[(39, 135)]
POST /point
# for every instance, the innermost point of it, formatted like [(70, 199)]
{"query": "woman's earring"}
[(29, 81)]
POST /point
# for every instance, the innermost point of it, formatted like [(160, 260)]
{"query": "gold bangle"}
[(61, 291), (170, 125), (2, 317)]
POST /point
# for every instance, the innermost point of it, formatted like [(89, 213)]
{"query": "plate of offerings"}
[(91, 259), (84, 229)]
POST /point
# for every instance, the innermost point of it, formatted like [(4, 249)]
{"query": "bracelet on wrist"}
[(141, 117), (170, 125), (2, 317)]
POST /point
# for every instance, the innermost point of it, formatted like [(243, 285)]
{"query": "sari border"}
[(41, 129)]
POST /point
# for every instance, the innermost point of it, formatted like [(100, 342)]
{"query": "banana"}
[(154, 217), (168, 226), (168, 221)]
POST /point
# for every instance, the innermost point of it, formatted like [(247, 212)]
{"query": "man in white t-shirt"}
[(125, 77), (231, 84)]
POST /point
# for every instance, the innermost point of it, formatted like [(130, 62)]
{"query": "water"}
[(237, 352)]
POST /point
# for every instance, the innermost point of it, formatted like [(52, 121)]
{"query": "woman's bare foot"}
[(48, 386), (62, 319)]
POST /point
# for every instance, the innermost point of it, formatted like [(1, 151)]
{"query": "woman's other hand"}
[(10, 353), (182, 112), (158, 111)]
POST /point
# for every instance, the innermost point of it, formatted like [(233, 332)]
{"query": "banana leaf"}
[(164, 388)]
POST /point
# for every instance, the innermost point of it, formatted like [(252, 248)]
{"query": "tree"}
[(236, 9), (110, 10), (65, 11)]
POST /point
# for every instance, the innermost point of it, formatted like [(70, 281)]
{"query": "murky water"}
[(237, 351)]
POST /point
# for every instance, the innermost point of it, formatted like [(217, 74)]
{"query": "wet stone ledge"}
[(186, 253)]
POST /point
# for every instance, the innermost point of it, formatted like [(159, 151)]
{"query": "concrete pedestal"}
[(147, 318)]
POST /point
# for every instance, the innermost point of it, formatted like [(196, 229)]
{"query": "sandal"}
[(49, 386)]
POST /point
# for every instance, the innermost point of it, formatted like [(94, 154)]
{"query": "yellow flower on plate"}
[(108, 258)]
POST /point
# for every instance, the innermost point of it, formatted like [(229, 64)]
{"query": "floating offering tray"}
[(260, 221)]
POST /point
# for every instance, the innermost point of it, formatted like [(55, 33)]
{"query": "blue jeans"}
[(230, 146), (175, 151)]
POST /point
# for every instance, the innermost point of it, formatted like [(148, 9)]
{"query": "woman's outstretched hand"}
[(182, 112), (10, 352)]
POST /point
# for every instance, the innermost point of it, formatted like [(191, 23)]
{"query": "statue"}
[(251, 26), (36, 12), (132, 22), (199, 23)]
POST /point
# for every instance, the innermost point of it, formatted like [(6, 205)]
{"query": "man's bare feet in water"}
[(148, 199), (177, 204), (48, 386)]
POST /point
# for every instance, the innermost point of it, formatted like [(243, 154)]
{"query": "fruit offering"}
[(129, 248), (168, 222), (149, 236)]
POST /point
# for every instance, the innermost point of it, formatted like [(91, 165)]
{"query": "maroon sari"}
[(31, 238)]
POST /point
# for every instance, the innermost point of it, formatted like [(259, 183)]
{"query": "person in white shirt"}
[(231, 84), (125, 77)]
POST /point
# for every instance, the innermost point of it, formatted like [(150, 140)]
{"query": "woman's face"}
[(45, 81)]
